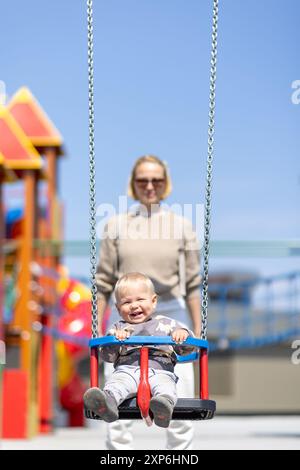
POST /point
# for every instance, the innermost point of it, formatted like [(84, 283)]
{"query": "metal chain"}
[(93, 248), (210, 151), (211, 125)]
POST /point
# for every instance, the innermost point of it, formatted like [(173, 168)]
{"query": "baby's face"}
[(136, 304)]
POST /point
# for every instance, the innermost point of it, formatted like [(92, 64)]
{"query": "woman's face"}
[(149, 183)]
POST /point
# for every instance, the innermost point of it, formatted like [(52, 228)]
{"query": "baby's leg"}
[(163, 383), (104, 403), (122, 384), (164, 396)]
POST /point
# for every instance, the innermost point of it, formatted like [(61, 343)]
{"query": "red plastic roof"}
[(16, 150), (33, 120)]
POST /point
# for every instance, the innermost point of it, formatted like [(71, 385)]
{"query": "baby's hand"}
[(122, 334), (180, 335)]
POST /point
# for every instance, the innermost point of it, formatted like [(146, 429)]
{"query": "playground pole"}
[(50, 261), (24, 305), (26, 259)]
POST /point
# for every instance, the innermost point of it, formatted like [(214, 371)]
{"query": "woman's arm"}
[(102, 305), (194, 306), (107, 269), (193, 277)]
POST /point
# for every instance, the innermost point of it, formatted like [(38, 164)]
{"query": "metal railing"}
[(219, 248)]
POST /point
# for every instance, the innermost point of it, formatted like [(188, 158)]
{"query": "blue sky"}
[(151, 94)]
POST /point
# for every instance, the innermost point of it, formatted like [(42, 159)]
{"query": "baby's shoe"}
[(162, 409), (102, 404)]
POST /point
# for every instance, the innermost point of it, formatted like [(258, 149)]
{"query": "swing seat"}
[(192, 409)]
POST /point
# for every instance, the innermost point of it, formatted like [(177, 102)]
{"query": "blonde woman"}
[(163, 246)]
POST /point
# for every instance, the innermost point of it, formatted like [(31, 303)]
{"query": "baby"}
[(136, 301)]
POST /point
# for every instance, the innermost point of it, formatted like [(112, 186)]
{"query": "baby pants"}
[(124, 381)]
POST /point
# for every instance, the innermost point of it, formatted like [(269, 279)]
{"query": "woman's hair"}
[(149, 159), (131, 279)]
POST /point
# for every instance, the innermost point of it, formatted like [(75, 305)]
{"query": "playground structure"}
[(35, 293)]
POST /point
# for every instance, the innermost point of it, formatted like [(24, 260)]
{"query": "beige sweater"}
[(162, 246)]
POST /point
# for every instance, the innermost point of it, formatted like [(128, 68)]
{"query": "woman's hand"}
[(180, 335), (121, 335)]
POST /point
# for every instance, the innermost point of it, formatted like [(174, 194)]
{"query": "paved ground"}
[(273, 432)]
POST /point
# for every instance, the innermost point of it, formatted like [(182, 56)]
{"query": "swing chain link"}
[(92, 193), (210, 151)]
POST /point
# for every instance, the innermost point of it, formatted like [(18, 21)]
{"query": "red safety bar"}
[(94, 364), (144, 391), (203, 374)]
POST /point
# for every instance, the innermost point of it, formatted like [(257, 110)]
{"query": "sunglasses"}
[(143, 182)]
